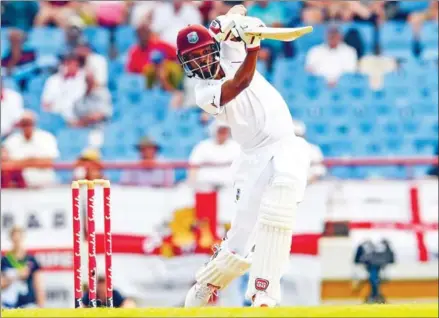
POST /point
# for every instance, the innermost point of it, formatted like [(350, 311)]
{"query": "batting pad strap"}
[(277, 208), (223, 269)]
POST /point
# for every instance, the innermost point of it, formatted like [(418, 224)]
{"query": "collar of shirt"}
[(70, 75)]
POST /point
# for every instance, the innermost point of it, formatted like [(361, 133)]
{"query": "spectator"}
[(94, 107), (221, 8), (19, 53), (376, 66), (19, 14), (205, 7), (11, 178), (11, 110), (55, 12), (21, 280), (119, 301), (64, 88), (73, 33), (140, 54), (34, 150), (316, 12), (105, 13), (272, 13), (152, 177), (88, 166), (417, 19), (218, 150), (171, 17), (332, 59), (140, 12), (92, 62), (168, 75), (317, 169)]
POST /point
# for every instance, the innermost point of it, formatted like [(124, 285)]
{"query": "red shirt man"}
[(140, 54)]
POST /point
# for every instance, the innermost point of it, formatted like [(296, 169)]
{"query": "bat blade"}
[(279, 34)]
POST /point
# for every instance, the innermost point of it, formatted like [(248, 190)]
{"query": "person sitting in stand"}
[(119, 301), (21, 282)]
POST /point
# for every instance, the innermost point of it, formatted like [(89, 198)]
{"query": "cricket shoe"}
[(199, 296), (261, 299)]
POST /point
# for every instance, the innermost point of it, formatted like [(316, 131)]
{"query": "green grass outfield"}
[(409, 310)]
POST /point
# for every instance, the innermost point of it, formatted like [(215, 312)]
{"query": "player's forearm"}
[(39, 291), (242, 79), (245, 73)]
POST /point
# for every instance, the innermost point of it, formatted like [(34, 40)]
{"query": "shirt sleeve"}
[(101, 70), (4, 264), (132, 61), (311, 57), (196, 156), (35, 264), (50, 90), (9, 144), (118, 299), (208, 97)]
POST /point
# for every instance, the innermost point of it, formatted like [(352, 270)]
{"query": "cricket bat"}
[(279, 34)]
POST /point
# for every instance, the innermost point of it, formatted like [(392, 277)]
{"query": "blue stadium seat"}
[(292, 10), (282, 70), (99, 39), (317, 37), (47, 62), (412, 6), (379, 172), (340, 148), (129, 82), (115, 69), (9, 82), (125, 37), (71, 142), (4, 41), (396, 35), (365, 127), (113, 175), (47, 40), (342, 172), (355, 84), (51, 122), (32, 102), (36, 84)]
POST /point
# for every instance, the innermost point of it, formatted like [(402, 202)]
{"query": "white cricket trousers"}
[(252, 174)]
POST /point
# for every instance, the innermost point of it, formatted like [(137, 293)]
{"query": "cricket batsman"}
[(271, 173)]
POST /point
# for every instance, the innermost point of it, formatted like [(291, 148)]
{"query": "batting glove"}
[(221, 27), (243, 24)]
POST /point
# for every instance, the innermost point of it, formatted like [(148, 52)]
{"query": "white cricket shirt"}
[(41, 145), (257, 117)]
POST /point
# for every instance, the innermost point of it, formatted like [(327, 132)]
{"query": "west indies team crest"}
[(192, 37)]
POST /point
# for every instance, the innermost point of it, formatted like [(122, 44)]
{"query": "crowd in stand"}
[(79, 87)]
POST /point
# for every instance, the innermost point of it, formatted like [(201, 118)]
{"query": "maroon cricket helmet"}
[(194, 37)]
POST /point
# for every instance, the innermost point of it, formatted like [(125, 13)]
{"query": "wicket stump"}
[(91, 238)]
